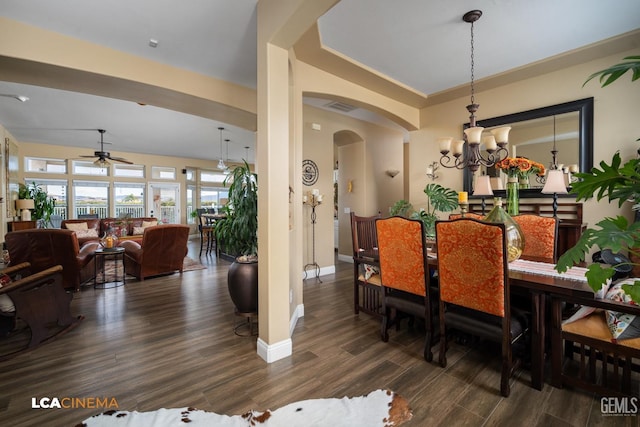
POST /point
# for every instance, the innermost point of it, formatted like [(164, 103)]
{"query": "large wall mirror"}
[(533, 134)]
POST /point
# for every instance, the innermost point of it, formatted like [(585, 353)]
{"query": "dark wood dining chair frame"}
[(603, 367), (480, 323), (366, 295), (398, 296)]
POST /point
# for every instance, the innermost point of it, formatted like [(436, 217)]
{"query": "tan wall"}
[(615, 118), (363, 161)]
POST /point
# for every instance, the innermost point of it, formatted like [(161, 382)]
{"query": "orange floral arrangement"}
[(520, 167)]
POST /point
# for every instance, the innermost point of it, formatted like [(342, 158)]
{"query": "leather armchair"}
[(162, 251), (44, 248)]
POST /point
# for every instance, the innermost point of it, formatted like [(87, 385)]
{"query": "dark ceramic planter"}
[(242, 281)]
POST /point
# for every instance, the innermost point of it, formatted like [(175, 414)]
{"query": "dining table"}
[(541, 281)]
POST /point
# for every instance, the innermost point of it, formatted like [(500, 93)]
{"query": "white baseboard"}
[(345, 258), (297, 314), (274, 352), (311, 273)]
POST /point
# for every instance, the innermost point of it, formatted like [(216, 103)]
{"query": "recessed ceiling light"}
[(153, 42)]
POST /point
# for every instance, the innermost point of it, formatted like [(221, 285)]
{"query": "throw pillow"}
[(622, 325), (76, 226), (370, 270), (146, 224), (6, 304), (138, 230), (584, 311), (86, 233)]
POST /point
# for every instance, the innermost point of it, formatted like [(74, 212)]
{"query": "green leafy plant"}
[(615, 182), (238, 231), (44, 205), (439, 199), (401, 208), (613, 73)]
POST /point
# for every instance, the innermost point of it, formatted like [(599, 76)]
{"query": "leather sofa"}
[(47, 247), (121, 227), (162, 251)]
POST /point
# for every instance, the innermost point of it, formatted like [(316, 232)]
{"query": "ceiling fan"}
[(105, 156)]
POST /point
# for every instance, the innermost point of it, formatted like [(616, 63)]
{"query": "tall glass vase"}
[(513, 196), (515, 237)]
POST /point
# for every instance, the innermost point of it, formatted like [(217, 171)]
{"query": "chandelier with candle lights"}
[(454, 153)]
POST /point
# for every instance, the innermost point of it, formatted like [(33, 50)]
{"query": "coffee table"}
[(101, 256)]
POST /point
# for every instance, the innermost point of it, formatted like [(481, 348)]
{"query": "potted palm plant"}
[(237, 233)]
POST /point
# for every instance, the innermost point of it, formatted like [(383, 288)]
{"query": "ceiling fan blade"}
[(120, 159), (88, 156)]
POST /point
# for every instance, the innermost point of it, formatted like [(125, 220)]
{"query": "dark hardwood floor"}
[(170, 342)]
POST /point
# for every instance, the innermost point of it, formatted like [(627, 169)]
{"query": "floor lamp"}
[(483, 189)]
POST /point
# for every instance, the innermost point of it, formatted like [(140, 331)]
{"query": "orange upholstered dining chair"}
[(467, 215), (474, 288), (540, 237), (405, 275), (366, 275)]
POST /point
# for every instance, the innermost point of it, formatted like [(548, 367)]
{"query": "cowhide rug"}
[(381, 408)]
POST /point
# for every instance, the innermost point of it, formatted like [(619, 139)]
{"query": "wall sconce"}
[(349, 186), (431, 171), (392, 172)]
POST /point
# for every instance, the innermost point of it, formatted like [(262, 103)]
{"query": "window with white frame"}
[(163, 172), (212, 177), (90, 197), (128, 171), (213, 197), (129, 199), (191, 203), (44, 165), (56, 188), (82, 167)]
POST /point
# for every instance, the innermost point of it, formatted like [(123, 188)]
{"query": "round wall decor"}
[(309, 172)]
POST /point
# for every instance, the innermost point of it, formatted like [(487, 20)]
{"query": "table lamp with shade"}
[(483, 189), (555, 184), (24, 205)]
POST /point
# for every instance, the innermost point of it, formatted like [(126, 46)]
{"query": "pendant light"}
[(221, 164)]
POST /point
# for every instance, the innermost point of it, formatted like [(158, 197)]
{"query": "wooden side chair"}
[(593, 359), (405, 275), (40, 301), (366, 275), (540, 237), (207, 233), (474, 288)]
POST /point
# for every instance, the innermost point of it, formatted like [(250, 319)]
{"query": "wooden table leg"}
[(537, 339), (556, 343)]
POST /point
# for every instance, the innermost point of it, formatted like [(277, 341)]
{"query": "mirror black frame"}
[(585, 138)]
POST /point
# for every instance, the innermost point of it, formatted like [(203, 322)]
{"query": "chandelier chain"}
[(472, 68)]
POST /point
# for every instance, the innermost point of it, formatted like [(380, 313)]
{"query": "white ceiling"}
[(421, 43)]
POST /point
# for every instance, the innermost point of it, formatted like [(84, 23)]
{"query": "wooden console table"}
[(21, 225)]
